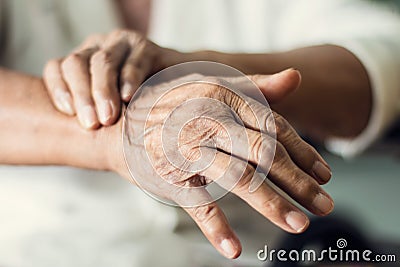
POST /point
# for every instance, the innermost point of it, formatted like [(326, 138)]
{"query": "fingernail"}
[(106, 111), (87, 117), (126, 91), (323, 203), (229, 248), (325, 163), (275, 77), (296, 221), (321, 171), (64, 101), (285, 71)]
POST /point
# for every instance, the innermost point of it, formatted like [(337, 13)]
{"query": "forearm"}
[(335, 95), (33, 132)]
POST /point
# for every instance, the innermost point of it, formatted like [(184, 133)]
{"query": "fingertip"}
[(63, 101), (214, 225), (131, 79), (231, 248), (297, 221), (88, 118), (126, 91), (321, 172), (107, 111), (288, 80), (293, 73), (323, 204), (277, 86)]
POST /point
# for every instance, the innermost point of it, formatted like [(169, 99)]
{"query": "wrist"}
[(111, 144), (169, 57)]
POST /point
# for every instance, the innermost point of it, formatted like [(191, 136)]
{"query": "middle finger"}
[(77, 76)]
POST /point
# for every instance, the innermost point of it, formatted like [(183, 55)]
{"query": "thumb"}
[(277, 86)]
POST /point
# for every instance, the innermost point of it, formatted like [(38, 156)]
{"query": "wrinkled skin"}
[(179, 137), (97, 75), (92, 80)]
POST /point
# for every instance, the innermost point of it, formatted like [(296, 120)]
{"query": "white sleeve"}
[(371, 32), (376, 43), (381, 59)]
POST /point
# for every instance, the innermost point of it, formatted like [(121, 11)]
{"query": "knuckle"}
[(270, 121), (211, 90), (132, 36), (51, 67), (227, 96), (273, 204), (282, 126), (281, 159), (257, 146), (205, 213), (263, 152), (305, 186), (233, 100), (102, 59), (280, 154), (302, 186), (247, 174), (293, 140), (72, 61)]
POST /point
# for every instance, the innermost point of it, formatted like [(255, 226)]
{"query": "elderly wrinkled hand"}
[(95, 77), (180, 137)]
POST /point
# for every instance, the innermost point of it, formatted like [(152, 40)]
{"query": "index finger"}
[(211, 221), (237, 177)]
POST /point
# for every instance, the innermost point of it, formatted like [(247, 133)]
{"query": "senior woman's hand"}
[(87, 82), (177, 141)]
